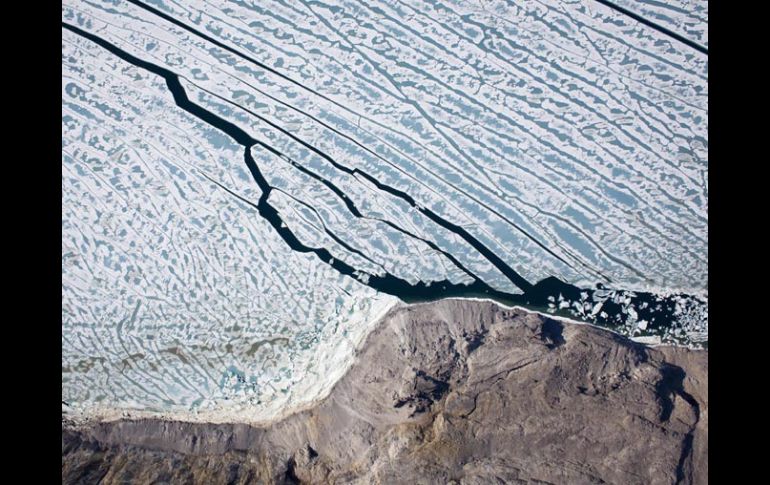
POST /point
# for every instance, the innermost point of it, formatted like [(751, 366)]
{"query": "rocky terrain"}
[(462, 392)]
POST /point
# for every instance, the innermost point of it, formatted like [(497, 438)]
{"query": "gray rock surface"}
[(462, 392)]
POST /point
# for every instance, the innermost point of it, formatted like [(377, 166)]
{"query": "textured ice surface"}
[(567, 138), (688, 18)]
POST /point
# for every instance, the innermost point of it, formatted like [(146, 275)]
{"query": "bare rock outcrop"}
[(462, 392)]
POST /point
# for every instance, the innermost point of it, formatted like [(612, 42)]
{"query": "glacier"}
[(248, 186)]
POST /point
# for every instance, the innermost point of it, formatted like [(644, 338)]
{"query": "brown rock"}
[(454, 391)]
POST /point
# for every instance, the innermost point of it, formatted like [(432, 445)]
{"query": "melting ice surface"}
[(246, 186)]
